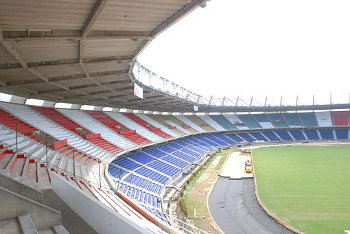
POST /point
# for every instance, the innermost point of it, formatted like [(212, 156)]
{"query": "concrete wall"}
[(98, 216), (21, 189), (13, 205)]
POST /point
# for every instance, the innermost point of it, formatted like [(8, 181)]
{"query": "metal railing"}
[(15, 149), (150, 80)]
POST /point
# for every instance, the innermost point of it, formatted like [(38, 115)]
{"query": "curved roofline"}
[(155, 83)]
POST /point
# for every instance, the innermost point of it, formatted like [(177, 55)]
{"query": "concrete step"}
[(10, 225), (10, 163), (5, 159), (27, 224), (59, 229), (32, 172), (18, 166), (43, 177), (15, 205), (47, 231)]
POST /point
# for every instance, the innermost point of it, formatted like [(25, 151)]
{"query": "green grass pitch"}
[(306, 186)]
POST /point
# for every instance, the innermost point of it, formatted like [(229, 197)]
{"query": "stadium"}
[(93, 141)]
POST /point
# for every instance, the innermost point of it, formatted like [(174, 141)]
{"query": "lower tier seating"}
[(142, 175)]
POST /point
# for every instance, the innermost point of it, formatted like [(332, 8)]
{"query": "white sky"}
[(259, 48)]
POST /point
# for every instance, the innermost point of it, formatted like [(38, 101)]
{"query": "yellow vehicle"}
[(248, 167)]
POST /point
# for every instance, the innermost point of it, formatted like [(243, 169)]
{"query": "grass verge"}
[(197, 190)]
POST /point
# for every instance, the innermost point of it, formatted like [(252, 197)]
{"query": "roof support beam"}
[(91, 60), (94, 13), (12, 50), (72, 77), (74, 35)]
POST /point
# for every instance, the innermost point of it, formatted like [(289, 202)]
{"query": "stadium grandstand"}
[(81, 152)]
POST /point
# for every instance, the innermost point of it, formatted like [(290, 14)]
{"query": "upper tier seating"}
[(168, 124), (152, 125), (340, 118), (311, 134), (235, 121), (88, 122), (184, 127), (77, 129), (190, 123), (177, 127), (297, 134), (133, 125), (292, 119), (220, 119), (263, 120), (211, 122), (308, 119), (204, 125), (117, 127), (249, 121), (342, 134), (28, 115), (326, 134), (324, 119), (278, 120)]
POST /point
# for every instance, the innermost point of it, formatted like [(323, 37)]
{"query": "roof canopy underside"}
[(80, 51)]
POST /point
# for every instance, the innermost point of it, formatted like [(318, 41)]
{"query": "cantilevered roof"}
[(81, 51)]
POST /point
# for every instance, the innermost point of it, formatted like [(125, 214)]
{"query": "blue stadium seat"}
[(152, 175), (271, 135), (259, 136), (116, 172), (175, 161), (342, 133), (235, 137), (246, 136), (126, 163), (297, 134), (326, 134), (283, 134), (224, 138), (163, 168), (140, 157), (311, 134)]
